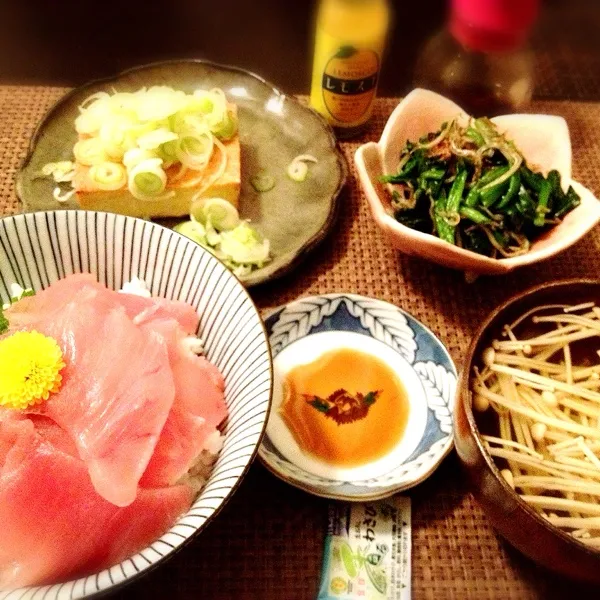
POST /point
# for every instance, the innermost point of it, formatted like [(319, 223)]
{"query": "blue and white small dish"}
[(301, 331)]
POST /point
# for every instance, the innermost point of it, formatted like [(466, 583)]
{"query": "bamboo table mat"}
[(267, 542)]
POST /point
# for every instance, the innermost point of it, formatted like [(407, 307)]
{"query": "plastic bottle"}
[(349, 42), (481, 59)]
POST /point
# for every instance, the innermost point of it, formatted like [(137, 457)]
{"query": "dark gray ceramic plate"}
[(274, 128)]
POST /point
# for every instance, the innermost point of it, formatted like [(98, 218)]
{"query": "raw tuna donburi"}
[(108, 420)]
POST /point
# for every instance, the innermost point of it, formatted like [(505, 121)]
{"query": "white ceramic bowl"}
[(39, 248), (544, 141)]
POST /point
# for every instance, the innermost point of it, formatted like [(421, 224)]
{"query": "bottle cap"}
[(492, 25)]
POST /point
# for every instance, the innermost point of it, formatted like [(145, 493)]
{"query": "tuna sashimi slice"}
[(54, 434), (116, 393), (142, 310), (34, 309), (16, 422), (15, 443), (199, 407), (54, 524)]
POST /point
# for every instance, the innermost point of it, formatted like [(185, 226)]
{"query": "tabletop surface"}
[(267, 542)]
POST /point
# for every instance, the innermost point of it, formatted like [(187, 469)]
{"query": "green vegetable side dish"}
[(470, 186)]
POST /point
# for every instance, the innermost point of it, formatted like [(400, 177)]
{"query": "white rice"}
[(136, 287), (200, 471)]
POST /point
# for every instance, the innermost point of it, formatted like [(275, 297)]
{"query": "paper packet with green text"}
[(368, 551)]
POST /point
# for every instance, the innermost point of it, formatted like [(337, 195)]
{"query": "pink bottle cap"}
[(492, 25)]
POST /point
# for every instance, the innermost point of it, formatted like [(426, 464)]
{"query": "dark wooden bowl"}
[(512, 517)]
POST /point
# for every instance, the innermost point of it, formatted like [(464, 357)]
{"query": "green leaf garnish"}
[(320, 404), (3, 322), (370, 398), (343, 406), (24, 294)]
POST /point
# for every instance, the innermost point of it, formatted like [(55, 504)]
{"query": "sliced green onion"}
[(108, 176), (218, 172), (135, 156), (117, 134), (203, 101), (93, 111), (124, 103), (194, 151), (87, 124), (90, 152), (306, 158), (215, 224), (154, 139), (219, 107), (244, 245), (168, 151), (241, 270), (193, 230), (60, 171), (213, 237), (90, 99), (147, 180), (149, 184), (262, 182), (189, 123), (221, 214), (227, 128), (159, 102), (297, 170), (61, 196)]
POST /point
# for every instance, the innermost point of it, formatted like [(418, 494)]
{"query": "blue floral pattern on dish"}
[(402, 332)]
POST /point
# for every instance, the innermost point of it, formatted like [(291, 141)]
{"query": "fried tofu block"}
[(227, 186)]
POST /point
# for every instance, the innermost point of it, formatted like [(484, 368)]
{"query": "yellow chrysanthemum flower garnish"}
[(30, 366)]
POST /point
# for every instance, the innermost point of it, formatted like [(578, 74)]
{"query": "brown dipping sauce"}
[(347, 408)]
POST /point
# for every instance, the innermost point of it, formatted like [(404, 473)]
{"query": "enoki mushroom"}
[(548, 405)]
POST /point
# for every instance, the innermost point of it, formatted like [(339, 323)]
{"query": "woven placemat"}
[(267, 543)]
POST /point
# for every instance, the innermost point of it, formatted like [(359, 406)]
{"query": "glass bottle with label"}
[(481, 59), (349, 43)]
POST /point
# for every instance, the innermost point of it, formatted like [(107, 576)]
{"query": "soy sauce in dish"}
[(347, 408)]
